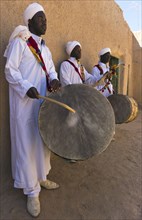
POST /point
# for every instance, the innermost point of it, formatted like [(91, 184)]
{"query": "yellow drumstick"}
[(56, 102)]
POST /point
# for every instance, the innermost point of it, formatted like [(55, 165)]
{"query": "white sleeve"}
[(96, 73), (12, 72), (65, 74), (52, 72), (89, 78)]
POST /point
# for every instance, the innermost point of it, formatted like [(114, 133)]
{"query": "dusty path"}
[(105, 187)]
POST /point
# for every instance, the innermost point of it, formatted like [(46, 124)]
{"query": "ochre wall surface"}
[(136, 79), (95, 24)]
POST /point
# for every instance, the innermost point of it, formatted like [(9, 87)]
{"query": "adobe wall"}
[(136, 80), (95, 24)]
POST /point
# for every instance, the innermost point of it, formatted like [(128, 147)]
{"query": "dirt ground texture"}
[(105, 187)]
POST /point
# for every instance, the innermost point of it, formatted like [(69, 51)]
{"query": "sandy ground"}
[(104, 187)]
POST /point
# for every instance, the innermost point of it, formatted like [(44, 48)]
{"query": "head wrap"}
[(30, 11), (71, 45), (103, 51), (19, 31)]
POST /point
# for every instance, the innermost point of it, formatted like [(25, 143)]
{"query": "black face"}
[(76, 52), (105, 58), (38, 24)]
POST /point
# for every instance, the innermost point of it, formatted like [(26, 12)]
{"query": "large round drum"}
[(125, 108), (78, 135)]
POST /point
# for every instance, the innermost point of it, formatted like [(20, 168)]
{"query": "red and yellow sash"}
[(37, 53)]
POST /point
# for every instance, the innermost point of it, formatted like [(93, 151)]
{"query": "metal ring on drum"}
[(82, 134), (125, 108)]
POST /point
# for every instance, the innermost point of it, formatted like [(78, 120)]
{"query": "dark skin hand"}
[(55, 85), (32, 93)]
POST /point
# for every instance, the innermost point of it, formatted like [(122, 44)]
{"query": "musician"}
[(71, 70), (105, 86), (27, 78)]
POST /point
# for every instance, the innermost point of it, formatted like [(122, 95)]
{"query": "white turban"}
[(71, 45), (30, 11), (103, 51)]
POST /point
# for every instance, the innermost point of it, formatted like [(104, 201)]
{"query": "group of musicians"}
[(73, 72)]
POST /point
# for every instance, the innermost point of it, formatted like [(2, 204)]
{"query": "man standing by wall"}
[(30, 71), (71, 70), (100, 70)]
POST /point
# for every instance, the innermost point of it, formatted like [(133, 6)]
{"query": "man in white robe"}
[(27, 79), (105, 86), (71, 70)]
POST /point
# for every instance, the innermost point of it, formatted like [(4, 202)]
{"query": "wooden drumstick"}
[(56, 102)]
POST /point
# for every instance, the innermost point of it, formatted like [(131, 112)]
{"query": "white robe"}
[(68, 75), (98, 76), (30, 157)]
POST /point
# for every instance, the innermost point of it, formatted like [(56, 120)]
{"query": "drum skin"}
[(82, 134), (125, 108)]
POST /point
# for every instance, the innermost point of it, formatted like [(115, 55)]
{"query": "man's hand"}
[(32, 93), (109, 75), (101, 82), (55, 85)]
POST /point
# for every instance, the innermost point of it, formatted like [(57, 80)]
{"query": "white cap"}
[(103, 51), (30, 11), (71, 45)]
